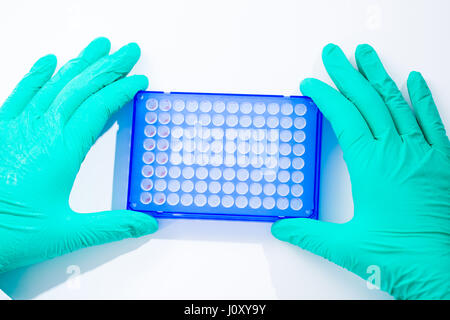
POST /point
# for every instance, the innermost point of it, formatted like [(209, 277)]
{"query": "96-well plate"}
[(224, 156)]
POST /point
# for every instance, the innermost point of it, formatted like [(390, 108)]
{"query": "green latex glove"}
[(47, 126), (399, 165)]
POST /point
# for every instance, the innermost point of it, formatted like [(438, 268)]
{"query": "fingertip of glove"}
[(275, 229), (100, 43), (49, 58), (141, 81), (363, 48), (143, 223), (414, 75), (328, 49), (415, 82), (45, 62), (333, 57), (279, 229), (306, 85), (127, 56), (306, 82), (134, 49)]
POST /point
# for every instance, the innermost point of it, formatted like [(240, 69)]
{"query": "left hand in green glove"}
[(47, 126), (399, 165)]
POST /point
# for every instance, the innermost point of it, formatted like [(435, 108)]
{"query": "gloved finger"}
[(39, 74), (87, 122), (322, 238), (369, 64), (358, 90), (347, 122), (100, 74), (97, 228), (97, 49), (427, 112)]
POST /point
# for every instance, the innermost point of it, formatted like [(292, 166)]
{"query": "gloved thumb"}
[(102, 227), (322, 238)]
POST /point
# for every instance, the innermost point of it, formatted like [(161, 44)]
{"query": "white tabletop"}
[(264, 47)]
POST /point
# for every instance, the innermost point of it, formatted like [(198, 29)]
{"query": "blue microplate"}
[(225, 156)]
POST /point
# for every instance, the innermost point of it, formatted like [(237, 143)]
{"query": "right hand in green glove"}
[(47, 126), (399, 164)]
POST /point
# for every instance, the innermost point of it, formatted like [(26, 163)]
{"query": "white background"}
[(264, 47)]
